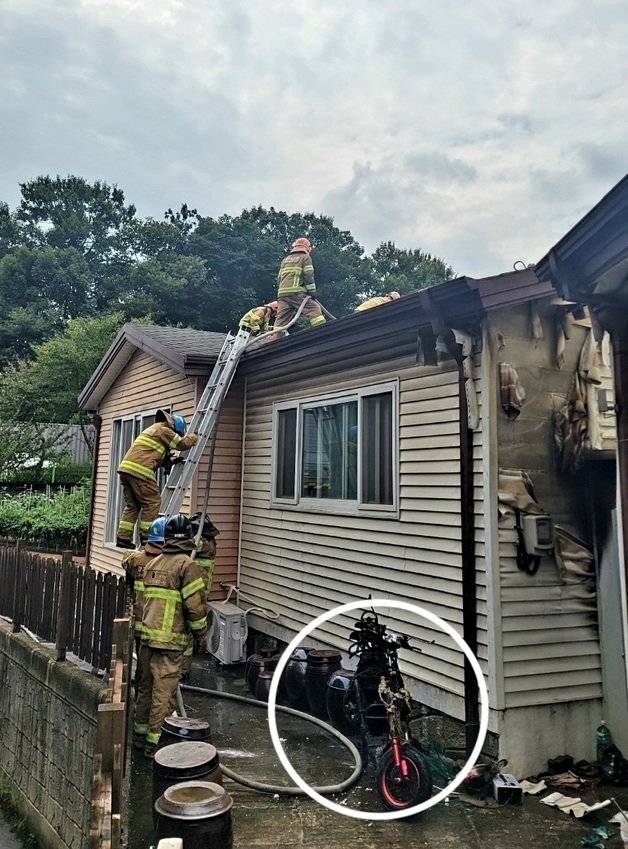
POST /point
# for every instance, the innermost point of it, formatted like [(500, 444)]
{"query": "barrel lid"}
[(184, 727), (341, 679), (194, 800), (265, 675), (300, 653), (323, 655), (186, 755)]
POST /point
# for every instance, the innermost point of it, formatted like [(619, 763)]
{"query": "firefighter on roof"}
[(378, 301), (259, 319), (295, 283), (174, 601), (138, 469)]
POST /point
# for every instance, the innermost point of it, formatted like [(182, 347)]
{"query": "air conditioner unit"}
[(227, 632)]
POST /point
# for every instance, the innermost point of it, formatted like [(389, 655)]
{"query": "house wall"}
[(550, 648), (146, 384), (301, 563)]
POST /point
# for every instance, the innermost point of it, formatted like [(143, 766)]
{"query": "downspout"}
[(619, 341), (242, 466), (467, 527), (97, 424)]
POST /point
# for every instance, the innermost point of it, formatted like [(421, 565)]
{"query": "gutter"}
[(467, 527), (97, 424)]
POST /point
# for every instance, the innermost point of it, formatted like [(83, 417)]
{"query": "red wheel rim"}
[(413, 779)]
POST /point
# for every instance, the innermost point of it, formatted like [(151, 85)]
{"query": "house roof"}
[(590, 263), (188, 352), (394, 329)]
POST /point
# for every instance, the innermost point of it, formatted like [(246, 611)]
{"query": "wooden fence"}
[(61, 602)]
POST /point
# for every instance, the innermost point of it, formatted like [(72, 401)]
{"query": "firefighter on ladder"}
[(138, 469), (174, 601), (295, 282), (259, 319), (378, 301)]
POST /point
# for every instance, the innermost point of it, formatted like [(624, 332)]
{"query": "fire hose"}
[(279, 789)]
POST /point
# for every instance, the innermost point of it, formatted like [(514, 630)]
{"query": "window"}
[(338, 453), (123, 432)]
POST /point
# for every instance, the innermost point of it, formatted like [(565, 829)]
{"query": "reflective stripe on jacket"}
[(135, 563), (147, 453), (296, 274), (373, 302), (257, 319), (206, 560), (174, 600)]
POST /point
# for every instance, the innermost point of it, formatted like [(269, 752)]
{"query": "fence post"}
[(18, 586), (63, 606)]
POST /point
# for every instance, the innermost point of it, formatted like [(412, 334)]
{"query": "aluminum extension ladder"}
[(204, 421)]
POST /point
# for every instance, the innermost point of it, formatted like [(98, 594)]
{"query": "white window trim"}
[(336, 506), (113, 478)]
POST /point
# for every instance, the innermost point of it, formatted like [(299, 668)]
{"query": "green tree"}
[(46, 388), (405, 271)]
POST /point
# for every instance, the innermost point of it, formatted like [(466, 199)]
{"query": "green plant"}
[(59, 521)]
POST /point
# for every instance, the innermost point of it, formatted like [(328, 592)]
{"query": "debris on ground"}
[(531, 788), (572, 805), (597, 836)]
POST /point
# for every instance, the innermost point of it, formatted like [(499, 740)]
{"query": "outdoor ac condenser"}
[(227, 632)]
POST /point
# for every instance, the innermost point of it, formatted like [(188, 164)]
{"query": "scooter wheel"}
[(398, 791)]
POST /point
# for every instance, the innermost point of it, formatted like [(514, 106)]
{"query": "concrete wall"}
[(48, 739)]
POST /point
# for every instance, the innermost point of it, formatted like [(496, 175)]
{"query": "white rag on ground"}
[(571, 805)]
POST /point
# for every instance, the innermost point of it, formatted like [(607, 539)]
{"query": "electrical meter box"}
[(538, 534)]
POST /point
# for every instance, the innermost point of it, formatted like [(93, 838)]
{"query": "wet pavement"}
[(8, 840), (240, 733)]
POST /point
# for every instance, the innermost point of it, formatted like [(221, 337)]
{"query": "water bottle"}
[(603, 740)]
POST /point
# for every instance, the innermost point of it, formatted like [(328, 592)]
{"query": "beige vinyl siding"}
[(147, 384), (550, 641), (301, 563), (223, 505)]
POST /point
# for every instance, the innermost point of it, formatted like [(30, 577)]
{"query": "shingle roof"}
[(189, 352)]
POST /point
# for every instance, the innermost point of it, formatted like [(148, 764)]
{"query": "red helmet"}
[(394, 296), (302, 243), (273, 306)]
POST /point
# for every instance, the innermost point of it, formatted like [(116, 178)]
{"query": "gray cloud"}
[(474, 132)]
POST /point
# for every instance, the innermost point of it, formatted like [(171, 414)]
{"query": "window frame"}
[(329, 505), (115, 502)]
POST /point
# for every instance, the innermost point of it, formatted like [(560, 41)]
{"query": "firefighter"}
[(138, 469), (259, 319), (206, 559), (135, 563), (174, 601), (295, 282), (378, 301)]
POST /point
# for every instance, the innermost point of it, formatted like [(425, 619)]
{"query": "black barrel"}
[(189, 761), (199, 812), (294, 674), (262, 686), (338, 694), (179, 729), (255, 664), (319, 667)]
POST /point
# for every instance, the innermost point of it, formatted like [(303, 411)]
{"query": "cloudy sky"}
[(480, 132)]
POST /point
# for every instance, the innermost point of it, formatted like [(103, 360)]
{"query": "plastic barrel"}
[(255, 664), (262, 686), (199, 812), (321, 663)]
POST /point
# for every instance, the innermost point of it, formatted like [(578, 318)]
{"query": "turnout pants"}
[(288, 306), (160, 671), (140, 496)]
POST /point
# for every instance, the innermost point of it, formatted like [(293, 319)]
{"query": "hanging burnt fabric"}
[(576, 567), (512, 393)]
